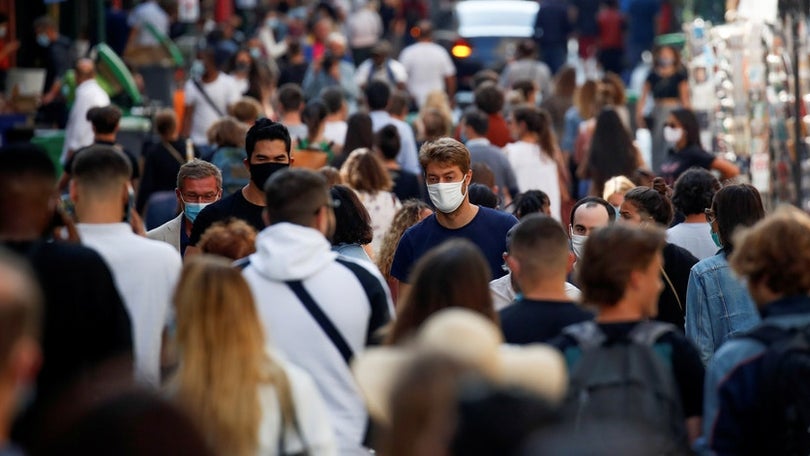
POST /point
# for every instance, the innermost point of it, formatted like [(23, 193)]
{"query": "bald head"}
[(85, 70)]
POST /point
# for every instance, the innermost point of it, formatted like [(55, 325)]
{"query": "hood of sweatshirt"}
[(285, 251)]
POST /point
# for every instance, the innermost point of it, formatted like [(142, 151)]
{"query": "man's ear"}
[(265, 217), (571, 260), (73, 191), (512, 263), (246, 162)]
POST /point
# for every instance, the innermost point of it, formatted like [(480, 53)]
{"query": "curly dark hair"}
[(530, 202), (694, 191), (353, 224)]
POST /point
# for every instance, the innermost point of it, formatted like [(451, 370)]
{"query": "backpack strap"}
[(586, 334), (207, 97), (648, 332), (242, 263), (323, 321)]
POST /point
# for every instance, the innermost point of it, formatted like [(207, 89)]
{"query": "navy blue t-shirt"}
[(487, 230), (528, 321)]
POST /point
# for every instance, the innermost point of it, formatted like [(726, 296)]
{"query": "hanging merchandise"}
[(742, 80)]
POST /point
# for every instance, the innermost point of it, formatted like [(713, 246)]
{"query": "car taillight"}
[(461, 49)]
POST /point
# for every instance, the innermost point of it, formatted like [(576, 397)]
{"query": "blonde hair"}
[(364, 171), (438, 104), (223, 357), (617, 184)]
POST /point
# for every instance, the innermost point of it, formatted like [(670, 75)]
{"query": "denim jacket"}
[(718, 305), (731, 399)]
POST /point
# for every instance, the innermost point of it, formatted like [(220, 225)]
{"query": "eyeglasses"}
[(710, 215), (197, 198)]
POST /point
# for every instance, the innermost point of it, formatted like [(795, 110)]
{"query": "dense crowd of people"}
[(322, 253)]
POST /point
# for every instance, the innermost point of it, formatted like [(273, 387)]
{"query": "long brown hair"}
[(223, 357), (454, 274), (538, 121)]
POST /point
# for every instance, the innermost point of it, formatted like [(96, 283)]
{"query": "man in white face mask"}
[(446, 163), (199, 183), (587, 215)]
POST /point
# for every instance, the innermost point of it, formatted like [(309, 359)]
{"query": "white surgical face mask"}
[(447, 197), (673, 135), (578, 244)]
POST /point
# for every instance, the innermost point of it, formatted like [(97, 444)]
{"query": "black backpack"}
[(628, 380), (785, 389)]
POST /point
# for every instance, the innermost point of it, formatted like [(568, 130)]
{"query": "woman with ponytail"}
[(535, 158), (644, 205)]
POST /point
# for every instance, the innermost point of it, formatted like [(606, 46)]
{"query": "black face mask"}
[(260, 172)]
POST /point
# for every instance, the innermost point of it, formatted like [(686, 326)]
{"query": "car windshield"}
[(502, 18)]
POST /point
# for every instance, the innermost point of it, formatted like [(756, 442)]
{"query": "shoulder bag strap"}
[(323, 321), (174, 153), (207, 98), (672, 287)]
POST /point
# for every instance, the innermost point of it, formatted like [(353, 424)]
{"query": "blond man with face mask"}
[(447, 173)]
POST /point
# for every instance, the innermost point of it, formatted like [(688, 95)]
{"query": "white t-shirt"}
[(427, 65), (79, 130), (363, 28), (534, 170), (152, 13), (335, 131), (694, 237), (145, 273), (503, 295), (381, 207), (223, 91)]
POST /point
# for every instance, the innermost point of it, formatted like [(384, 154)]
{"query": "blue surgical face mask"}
[(192, 210), (43, 40), (617, 209), (255, 52), (716, 239)]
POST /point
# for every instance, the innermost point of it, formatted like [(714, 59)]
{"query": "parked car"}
[(484, 34)]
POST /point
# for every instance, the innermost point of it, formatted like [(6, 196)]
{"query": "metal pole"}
[(795, 18)]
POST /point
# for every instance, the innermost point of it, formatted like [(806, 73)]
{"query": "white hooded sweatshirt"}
[(352, 295)]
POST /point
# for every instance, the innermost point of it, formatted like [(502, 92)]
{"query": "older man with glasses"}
[(199, 184)]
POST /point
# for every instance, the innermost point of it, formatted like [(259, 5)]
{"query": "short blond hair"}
[(617, 184), (446, 151)]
